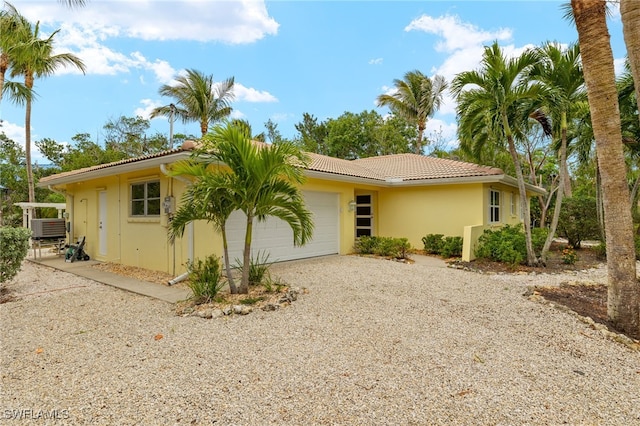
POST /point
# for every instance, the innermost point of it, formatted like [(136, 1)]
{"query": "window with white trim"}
[(513, 204), (145, 198), (494, 206)]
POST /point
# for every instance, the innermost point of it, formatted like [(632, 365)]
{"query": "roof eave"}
[(116, 169)]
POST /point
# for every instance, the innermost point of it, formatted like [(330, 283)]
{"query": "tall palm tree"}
[(560, 73), (417, 98), (14, 32), (197, 99), (630, 15), (263, 180), (36, 60), (623, 301), (490, 101), (207, 198)]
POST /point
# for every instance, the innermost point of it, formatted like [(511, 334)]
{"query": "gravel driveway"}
[(373, 342)]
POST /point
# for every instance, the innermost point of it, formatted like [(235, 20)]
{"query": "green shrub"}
[(433, 243), (569, 256), (451, 247), (397, 248), (258, 268), (578, 220), (205, 278), (508, 244), (365, 245), (14, 246)]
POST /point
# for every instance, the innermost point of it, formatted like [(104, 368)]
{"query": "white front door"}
[(102, 223)]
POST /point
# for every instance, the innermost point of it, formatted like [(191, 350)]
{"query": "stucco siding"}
[(417, 211)]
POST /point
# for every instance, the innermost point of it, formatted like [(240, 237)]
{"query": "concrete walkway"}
[(85, 269)]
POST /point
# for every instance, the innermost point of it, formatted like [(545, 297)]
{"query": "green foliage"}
[(14, 245), (601, 250), (443, 246), (433, 243), (251, 300), (397, 248), (508, 244), (569, 256), (258, 268), (272, 285), (451, 247), (579, 220), (205, 278)]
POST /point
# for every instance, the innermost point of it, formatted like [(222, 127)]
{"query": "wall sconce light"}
[(352, 205)]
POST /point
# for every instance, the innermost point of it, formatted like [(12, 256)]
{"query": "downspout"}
[(190, 239), (70, 212)]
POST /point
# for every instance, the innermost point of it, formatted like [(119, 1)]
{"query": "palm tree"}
[(623, 301), (560, 73), (262, 180), (417, 98), (198, 99), (206, 199), (630, 15), (14, 32), (493, 99), (35, 59)]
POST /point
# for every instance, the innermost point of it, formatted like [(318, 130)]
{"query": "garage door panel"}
[(275, 237)]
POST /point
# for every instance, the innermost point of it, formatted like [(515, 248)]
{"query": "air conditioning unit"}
[(43, 229)]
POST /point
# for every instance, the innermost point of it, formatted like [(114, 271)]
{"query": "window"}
[(513, 204), (494, 206), (145, 199)]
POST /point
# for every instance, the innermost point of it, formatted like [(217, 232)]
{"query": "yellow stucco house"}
[(123, 208)]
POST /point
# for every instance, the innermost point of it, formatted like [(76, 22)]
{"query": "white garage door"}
[(275, 237)]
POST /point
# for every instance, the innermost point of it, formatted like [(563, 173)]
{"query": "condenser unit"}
[(43, 229)]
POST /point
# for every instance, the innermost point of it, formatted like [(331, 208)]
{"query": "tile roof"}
[(405, 167), (420, 167)]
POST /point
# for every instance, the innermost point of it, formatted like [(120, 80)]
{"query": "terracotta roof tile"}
[(419, 167), (383, 168)]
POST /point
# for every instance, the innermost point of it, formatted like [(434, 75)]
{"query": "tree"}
[(490, 101), (128, 135), (35, 59), (197, 99), (262, 180), (416, 98), (623, 301), (207, 198), (313, 135), (560, 73), (14, 31), (630, 15)]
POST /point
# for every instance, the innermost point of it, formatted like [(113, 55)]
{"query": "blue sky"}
[(287, 57)]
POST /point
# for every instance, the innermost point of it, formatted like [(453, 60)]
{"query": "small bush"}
[(397, 248), (14, 246), (365, 245), (579, 220), (569, 256), (508, 244), (273, 285), (601, 251), (433, 243), (205, 278), (451, 247)]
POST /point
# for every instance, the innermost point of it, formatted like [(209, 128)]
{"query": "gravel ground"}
[(373, 342)]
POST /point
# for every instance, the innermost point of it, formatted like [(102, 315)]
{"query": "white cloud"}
[(15, 132), (247, 94), (237, 114), (376, 61), (234, 22), (147, 106)]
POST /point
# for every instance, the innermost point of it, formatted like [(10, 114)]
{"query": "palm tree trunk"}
[(227, 262), (623, 302), (568, 191), (560, 195), (420, 138), (246, 258), (532, 260), (27, 142), (630, 15)]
